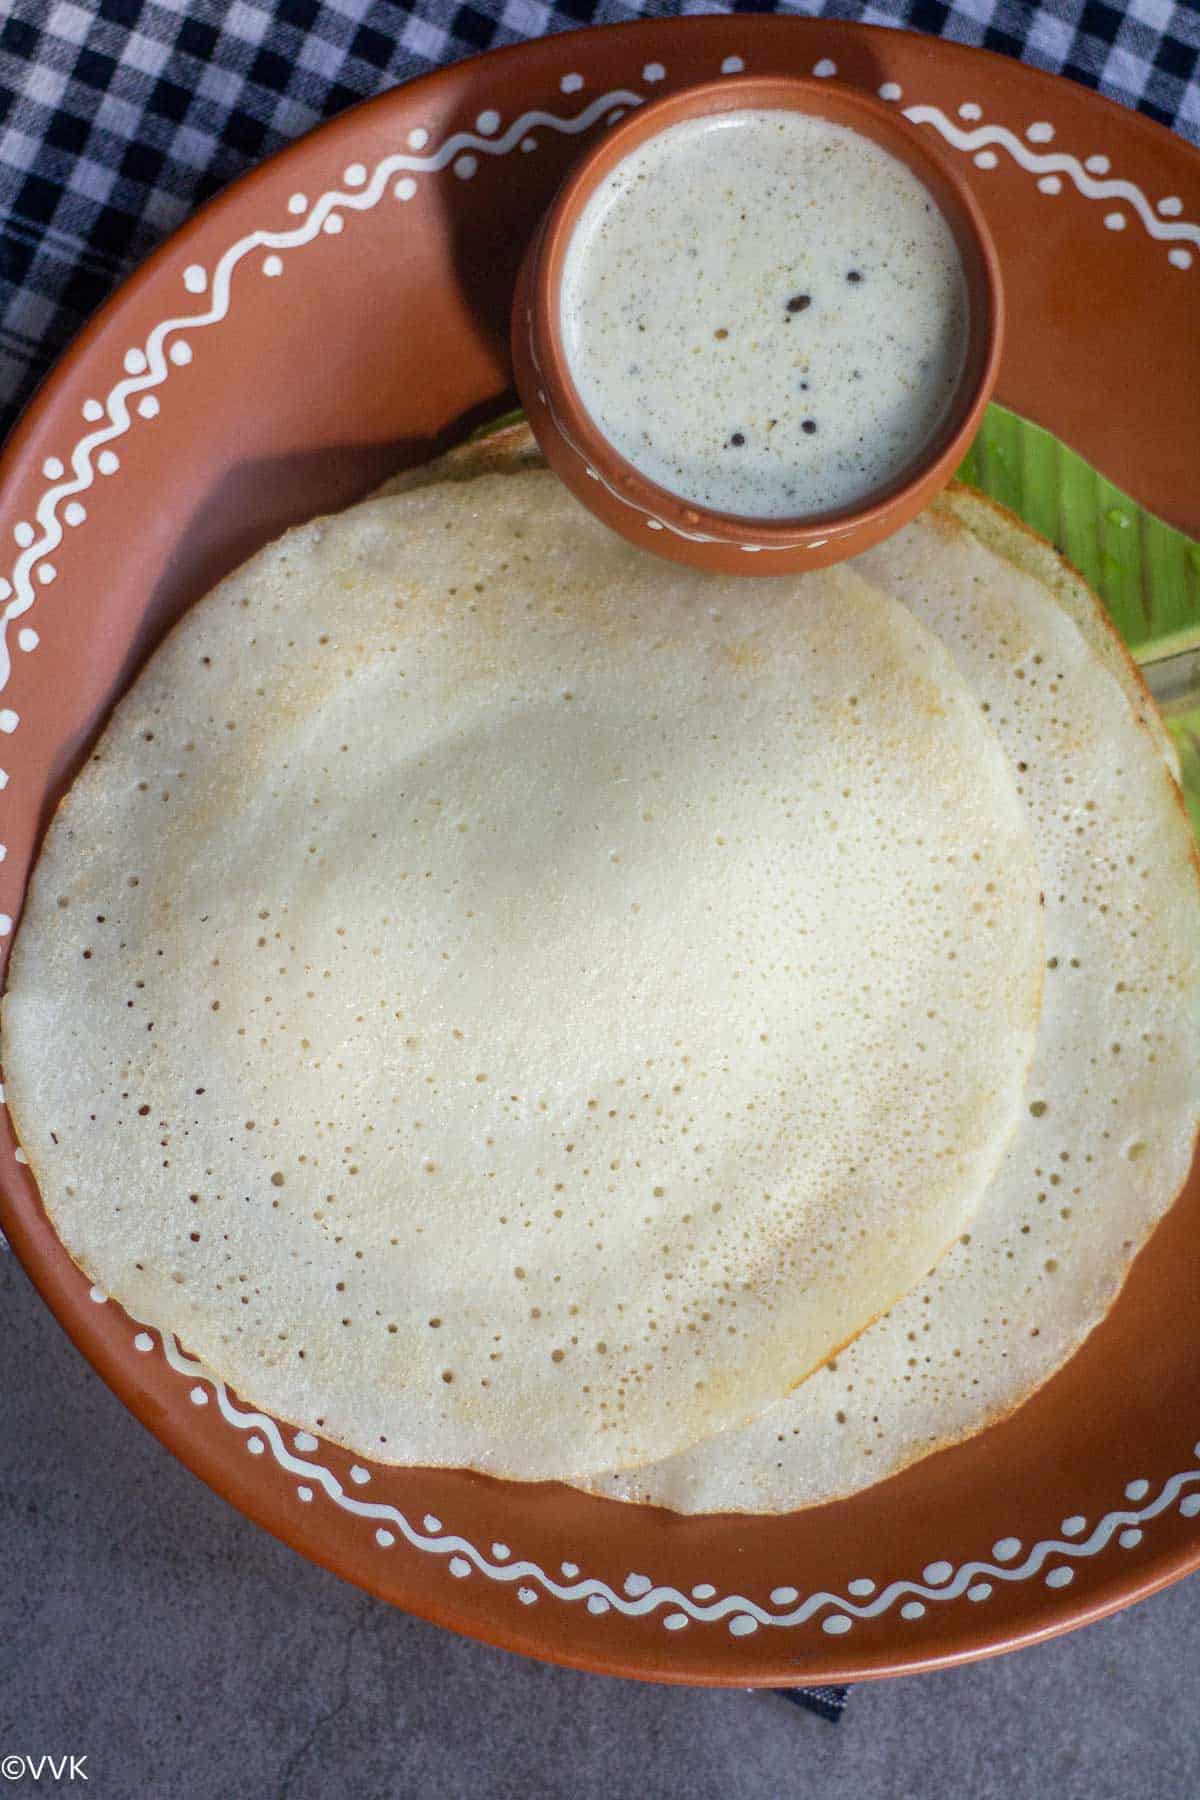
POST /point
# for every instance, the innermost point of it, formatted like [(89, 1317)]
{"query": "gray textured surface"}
[(189, 1655)]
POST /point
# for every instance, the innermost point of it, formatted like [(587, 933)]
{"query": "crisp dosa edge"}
[(510, 454)]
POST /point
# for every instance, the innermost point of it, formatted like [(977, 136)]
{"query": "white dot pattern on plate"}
[(862, 1588), (1035, 162), (385, 1538), (199, 1396), (418, 138), (675, 1621), (459, 1567), (24, 533), (784, 1596), (28, 638), (986, 159), (597, 1604), (195, 280), (304, 1440), (333, 224), (979, 1590), (73, 513), (836, 1624), (255, 1446), (465, 167), (1130, 1539), (488, 123), (97, 1296), (1170, 206), (1073, 1526), (637, 1585), (108, 462), (825, 69), (1006, 1548), (272, 265), (742, 1625), (890, 90), (938, 1572), (360, 1476), (1137, 1490), (52, 468), (405, 188), (355, 176), (527, 1596), (571, 84), (733, 65)]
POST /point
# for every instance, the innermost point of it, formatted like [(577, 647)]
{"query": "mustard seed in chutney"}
[(747, 267)]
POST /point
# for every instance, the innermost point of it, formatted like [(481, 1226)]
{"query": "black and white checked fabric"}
[(118, 117), (827, 1702)]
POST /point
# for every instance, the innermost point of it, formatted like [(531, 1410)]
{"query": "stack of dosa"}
[(504, 1000)]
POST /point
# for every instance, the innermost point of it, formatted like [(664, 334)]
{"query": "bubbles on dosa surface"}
[(517, 1003), (1113, 1095)]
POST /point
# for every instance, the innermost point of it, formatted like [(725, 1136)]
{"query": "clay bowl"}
[(649, 515)]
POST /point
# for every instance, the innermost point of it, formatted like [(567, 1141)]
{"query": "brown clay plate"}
[(343, 310)]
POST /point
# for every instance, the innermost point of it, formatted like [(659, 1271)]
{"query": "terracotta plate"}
[(344, 309)]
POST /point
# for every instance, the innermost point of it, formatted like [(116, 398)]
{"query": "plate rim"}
[(1052, 1620)]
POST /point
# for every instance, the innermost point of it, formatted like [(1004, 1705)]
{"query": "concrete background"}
[(187, 1654)]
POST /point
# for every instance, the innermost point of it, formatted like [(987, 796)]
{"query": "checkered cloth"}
[(118, 117)]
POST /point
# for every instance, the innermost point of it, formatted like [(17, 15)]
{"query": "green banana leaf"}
[(1146, 572)]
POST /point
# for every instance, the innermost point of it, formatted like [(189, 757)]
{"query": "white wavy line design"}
[(1056, 162), (641, 1596), (154, 350), (466, 142)]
